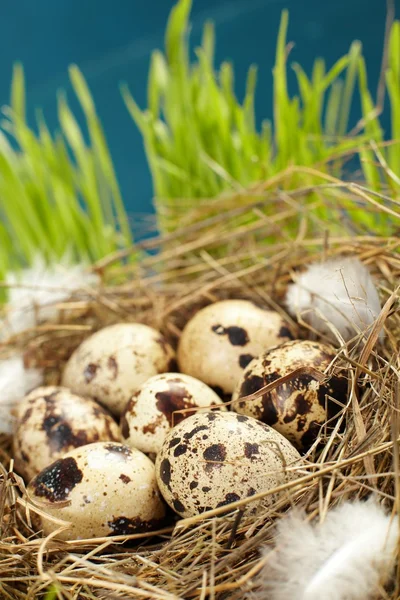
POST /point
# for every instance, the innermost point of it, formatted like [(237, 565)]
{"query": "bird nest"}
[(250, 253)]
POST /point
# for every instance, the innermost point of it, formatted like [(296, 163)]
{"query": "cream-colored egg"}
[(151, 412), (51, 421), (299, 407), (221, 339), (112, 363), (214, 458), (101, 489)]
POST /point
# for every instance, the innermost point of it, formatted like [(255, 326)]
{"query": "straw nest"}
[(224, 256)]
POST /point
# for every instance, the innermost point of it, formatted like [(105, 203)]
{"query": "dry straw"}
[(216, 555)]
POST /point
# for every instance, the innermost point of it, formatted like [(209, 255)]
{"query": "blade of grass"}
[(101, 152), (349, 86), (393, 88), (371, 126)]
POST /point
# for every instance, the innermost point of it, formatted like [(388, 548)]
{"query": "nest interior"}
[(169, 278)]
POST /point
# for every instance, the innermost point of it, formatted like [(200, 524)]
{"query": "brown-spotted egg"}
[(101, 489), (112, 363), (51, 421), (214, 458), (151, 412), (222, 338), (300, 406)]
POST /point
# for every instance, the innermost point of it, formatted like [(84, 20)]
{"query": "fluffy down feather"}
[(337, 292), (35, 291), (15, 383), (346, 557)]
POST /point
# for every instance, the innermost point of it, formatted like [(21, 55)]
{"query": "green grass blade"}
[(175, 33), (158, 82), (393, 88), (101, 152), (349, 86), (372, 129), (208, 42), (281, 100), (18, 92), (333, 109)]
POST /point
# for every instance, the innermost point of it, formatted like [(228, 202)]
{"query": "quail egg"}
[(150, 413), (51, 421), (214, 458), (299, 407), (221, 339), (101, 489), (112, 363)]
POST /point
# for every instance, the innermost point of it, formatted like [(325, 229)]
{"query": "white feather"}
[(338, 293), (347, 557), (34, 293), (15, 382)]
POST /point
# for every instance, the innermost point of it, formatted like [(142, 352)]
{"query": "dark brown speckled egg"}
[(152, 410), (100, 489), (221, 339), (112, 363), (214, 458), (51, 421), (299, 407)]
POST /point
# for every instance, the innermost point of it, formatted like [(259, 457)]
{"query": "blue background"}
[(112, 42)]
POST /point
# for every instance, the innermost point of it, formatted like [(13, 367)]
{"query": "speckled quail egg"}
[(112, 363), (150, 413), (51, 421), (102, 489), (214, 458), (299, 407), (222, 338)]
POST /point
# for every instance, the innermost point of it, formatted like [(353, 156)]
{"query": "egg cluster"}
[(134, 426)]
